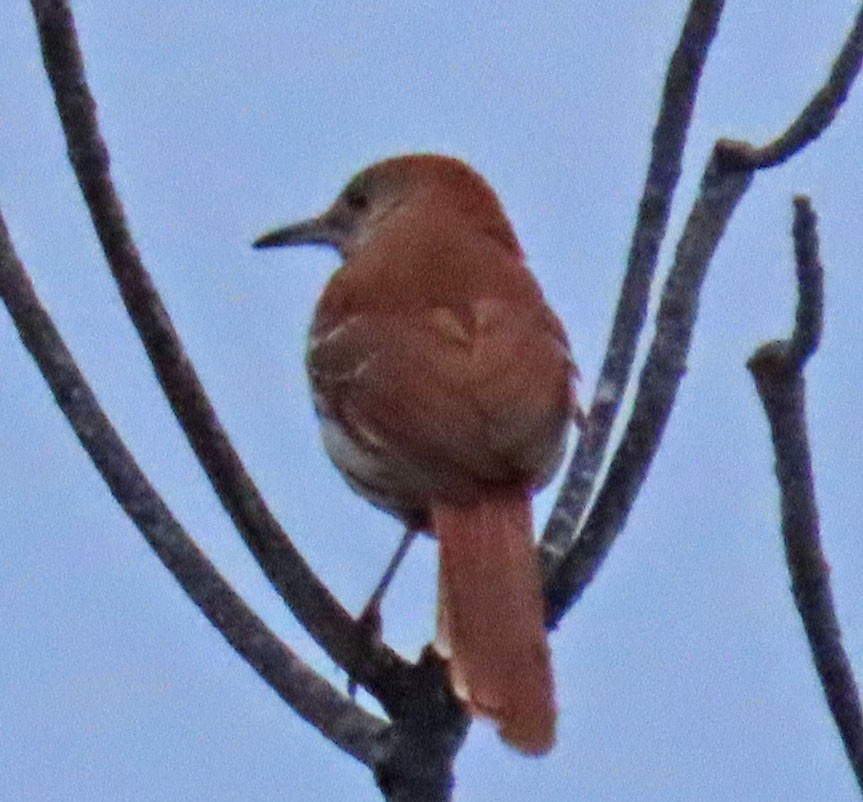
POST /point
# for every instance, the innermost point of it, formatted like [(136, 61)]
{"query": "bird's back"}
[(437, 365)]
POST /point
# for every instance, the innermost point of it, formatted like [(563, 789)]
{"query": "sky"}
[(683, 673)]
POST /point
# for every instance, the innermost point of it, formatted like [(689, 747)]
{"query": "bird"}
[(445, 389)]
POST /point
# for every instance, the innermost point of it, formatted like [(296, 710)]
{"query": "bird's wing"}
[(479, 392)]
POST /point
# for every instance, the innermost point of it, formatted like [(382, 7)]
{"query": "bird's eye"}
[(357, 200)]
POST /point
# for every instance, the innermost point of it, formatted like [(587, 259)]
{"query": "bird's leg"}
[(371, 612), (370, 617)]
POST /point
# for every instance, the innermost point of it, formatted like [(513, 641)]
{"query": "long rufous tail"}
[(490, 615)]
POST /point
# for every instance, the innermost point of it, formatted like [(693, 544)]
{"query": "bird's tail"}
[(490, 615)]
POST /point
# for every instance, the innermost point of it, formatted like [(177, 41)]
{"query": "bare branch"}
[(726, 179), (416, 755), (721, 191), (777, 368), (370, 663), (669, 138), (346, 724), (428, 725), (823, 107), (810, 284)]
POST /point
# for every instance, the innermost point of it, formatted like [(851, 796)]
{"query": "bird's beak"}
[(316, 230)]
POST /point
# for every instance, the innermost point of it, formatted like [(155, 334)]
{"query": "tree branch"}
[(371, 664), (726, 179), (808, 323), (669, 139), (660, 378), (777, 369), (820, 111), (341, 720)]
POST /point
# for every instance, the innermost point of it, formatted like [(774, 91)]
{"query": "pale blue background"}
[(683, 674)]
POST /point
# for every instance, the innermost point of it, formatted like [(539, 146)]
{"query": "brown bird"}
[(444, 387)]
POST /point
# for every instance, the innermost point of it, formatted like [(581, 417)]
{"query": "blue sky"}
[(683, 673)]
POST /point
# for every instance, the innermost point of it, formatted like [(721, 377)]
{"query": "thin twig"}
[(821, 110), (777, 368), (371, 664), (727, 176), (808, 323), (669, 139), (343, 722)]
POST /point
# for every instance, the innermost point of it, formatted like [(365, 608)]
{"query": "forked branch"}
[(725, 181), (334, 714), (777, 368)]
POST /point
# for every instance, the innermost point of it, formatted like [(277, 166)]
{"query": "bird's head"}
[(422, 184)]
